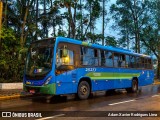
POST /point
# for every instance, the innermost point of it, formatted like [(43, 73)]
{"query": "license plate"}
[(32, 91)]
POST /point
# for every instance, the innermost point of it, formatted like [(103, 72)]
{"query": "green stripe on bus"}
[(104, 75)]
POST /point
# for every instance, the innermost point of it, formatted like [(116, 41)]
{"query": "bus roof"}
[(109, 48)]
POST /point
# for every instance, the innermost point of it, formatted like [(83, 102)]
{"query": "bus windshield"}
[(39, 60)]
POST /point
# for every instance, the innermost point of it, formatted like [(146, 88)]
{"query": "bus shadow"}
[(71, 98), (49, 99)]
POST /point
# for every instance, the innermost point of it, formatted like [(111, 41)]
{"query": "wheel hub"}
[(134, 86), (84, 90)]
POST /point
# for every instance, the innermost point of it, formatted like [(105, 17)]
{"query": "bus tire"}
[(83, 90), (134, 87)]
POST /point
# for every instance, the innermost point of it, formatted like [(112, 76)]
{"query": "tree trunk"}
[(1, 9), (136, 28), (158, 68), (103, 22), (81, 20), (71, 22), (69, 26), (45, 24), (36, 36), (23, 25), (74, 18), (158, 59), (90, 23), (5, 14)]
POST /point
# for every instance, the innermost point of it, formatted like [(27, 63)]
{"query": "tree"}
[(103, 18), (94, 9), (131, 16), (10, 68), (22, 40), (111, 41), (1, 9), (151, 32)]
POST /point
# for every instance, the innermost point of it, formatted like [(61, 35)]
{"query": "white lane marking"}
[(45, 118), (122, 102), (155, 95)]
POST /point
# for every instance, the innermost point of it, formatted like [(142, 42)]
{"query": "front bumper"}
[(49, 89)]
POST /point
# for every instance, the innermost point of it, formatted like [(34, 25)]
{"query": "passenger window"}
[(89, 56), (128, 61), (122, 61), (138, 62), (102, 58), (132, 62), (109, 59), (142, 63), (149, 64), (116, 60)]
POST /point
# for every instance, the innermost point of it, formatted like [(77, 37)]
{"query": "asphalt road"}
[(119, 105)]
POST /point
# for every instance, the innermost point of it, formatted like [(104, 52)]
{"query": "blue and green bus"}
[(60, 66)]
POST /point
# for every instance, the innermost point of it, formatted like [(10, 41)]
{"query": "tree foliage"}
[(131, 17), (11, 69), (139, 21)]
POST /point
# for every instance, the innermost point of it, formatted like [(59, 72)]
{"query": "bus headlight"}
[(48, 80)]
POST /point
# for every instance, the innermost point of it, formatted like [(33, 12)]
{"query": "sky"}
[(108, 30)]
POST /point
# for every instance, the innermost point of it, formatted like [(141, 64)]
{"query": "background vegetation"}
[(23, 21)]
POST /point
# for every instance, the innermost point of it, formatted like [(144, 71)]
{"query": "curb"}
[(9, 97), (13, 97), (156, 83)]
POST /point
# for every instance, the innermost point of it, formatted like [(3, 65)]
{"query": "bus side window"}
[(132, 61), (99, 58), (102, 58), (138, 62), (96, 55), (146, 62), (127, 61), (122, 60), (108, 59), (87, 56), (90, 56), (149, 64), (116, 60), (143, 62), (83, 56)]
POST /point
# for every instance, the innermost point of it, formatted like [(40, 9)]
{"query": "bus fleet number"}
[(91, 69)]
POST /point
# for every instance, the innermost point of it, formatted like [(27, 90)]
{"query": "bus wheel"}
[(83, 90), (134, 87)]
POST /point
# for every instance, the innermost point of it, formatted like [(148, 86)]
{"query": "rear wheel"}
[(83, 90), (134, 87)]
